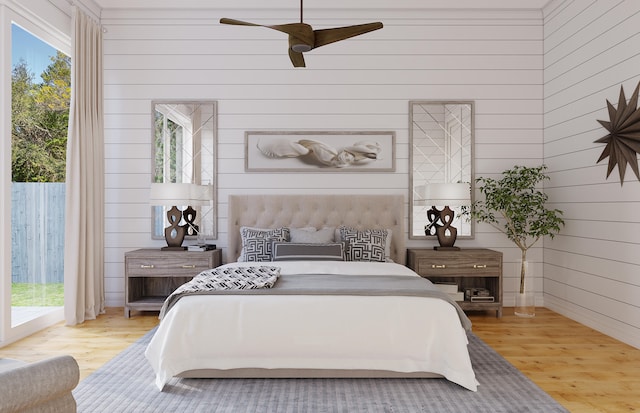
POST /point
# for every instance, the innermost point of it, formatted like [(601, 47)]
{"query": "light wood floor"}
[(582, 369)]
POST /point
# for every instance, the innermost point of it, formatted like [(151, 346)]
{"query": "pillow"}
[(256, 242), (310, 235), (289, 251), (387, 245), (365, 245)]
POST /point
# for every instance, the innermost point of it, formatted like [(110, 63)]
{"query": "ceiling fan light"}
[(300, 47)]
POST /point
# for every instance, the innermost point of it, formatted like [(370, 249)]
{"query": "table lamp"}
[(174, 194), (445, 194)]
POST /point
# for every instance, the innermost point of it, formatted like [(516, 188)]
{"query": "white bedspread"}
[(401, 334)]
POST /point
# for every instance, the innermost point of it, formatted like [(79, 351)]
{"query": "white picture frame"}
[(320, 151)]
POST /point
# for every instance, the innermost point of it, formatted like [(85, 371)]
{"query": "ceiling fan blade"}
[(327, 36), (235, 22), (303, 38), (296, 58), (301, 33)]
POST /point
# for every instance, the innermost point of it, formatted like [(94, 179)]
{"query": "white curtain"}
[(84, 217)]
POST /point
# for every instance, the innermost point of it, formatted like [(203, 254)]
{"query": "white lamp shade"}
[(170, 194), (180, 194), (201, 194), (448, 194)]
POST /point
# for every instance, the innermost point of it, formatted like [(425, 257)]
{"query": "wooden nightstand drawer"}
[(169, 266), (448, 263)]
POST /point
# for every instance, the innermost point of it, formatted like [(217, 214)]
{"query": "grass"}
[(37, 295)]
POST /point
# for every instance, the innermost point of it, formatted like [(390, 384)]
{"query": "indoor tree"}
[(515, 205)]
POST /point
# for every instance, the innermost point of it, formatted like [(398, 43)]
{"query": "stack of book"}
[(201, 247), (479, 295), (451, 289)]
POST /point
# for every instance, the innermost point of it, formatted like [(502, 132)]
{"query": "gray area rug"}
[(126, 384)]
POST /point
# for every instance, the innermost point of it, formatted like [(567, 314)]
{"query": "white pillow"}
[(310, 235)]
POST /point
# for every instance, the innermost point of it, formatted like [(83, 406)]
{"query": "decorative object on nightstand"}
[(472, 275), (515, 205), (440, 221), (201, 247), (152, 274), (174, 194)]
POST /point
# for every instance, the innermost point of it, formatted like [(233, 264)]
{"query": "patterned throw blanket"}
[(217, 279)]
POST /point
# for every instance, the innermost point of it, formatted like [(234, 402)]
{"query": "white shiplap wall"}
[(491, 57), (592, 48)]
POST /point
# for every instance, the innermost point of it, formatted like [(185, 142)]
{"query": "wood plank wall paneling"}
[(491, 57), (591, 48)]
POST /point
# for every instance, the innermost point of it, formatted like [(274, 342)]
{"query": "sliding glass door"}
[(40, 86), (34, 181)]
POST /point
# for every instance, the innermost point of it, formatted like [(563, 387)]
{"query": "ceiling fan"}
[(302, 37)]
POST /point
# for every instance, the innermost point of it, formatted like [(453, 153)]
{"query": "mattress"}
[(363, 336)]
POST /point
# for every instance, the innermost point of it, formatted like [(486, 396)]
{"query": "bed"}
[(342, 331)]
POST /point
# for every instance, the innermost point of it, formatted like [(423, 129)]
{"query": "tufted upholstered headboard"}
[(297, 211)]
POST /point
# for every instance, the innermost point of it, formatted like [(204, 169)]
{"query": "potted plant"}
[(515, 205)]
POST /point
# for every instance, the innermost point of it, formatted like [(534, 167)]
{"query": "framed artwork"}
[(320, 151)]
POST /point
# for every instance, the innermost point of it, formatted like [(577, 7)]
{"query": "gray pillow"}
[(288, 251)]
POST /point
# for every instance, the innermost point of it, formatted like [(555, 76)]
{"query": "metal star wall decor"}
[(623, 140)]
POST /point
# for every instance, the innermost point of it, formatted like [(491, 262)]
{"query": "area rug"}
[(126, 384)]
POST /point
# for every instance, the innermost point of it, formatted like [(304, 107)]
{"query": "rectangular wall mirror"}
[(440, 151), (184, 145)]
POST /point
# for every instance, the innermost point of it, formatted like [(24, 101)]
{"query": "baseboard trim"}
[(593, 320)]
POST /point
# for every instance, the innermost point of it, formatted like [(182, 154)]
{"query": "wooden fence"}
[(37, 232)]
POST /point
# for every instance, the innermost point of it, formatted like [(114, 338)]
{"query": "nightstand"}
[(151, 275), (475, 269)]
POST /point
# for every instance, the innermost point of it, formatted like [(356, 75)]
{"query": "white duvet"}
[(400, 334)]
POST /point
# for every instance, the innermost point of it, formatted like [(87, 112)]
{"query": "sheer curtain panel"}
[(84, 219)]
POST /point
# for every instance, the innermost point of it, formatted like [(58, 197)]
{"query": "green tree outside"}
[(40, 118)]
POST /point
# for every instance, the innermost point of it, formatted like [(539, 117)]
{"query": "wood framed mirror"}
[(184, 146), (441, 138)]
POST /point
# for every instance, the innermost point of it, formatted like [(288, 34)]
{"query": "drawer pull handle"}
[(147, 266), (189, 266), (438, 266), (479, 266)]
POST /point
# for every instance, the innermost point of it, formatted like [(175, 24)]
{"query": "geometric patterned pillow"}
[(365, 245), (256, 243)]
